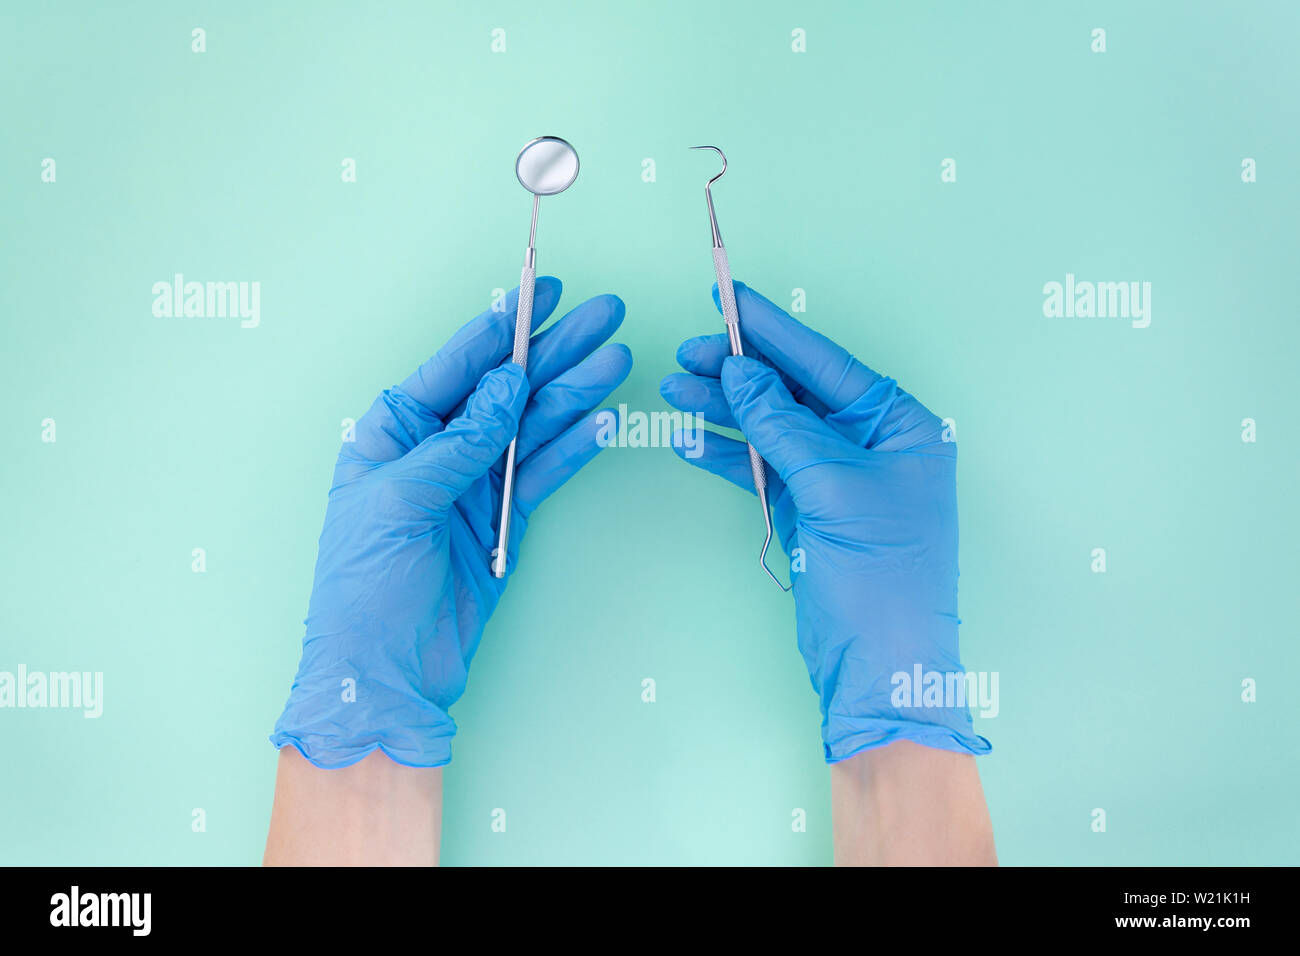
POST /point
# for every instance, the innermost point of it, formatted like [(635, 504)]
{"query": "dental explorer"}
[(545, 166), (731, 316)]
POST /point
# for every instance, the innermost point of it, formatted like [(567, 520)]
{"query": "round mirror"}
[(547, 165)]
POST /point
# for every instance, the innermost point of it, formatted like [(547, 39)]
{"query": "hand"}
[(403, 583), (865, 503)]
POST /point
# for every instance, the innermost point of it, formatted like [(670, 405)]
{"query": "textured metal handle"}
[(731, 315), (523, 332), (760, 473), (524, 321), (727, 295)]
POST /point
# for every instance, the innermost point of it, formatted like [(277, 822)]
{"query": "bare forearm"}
[(910, 805), (373, 813)]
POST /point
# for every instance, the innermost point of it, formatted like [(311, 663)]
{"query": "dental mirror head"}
[(547, 165)]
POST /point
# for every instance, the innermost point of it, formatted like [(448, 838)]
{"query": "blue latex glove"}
[(403, 583), (865, 505)]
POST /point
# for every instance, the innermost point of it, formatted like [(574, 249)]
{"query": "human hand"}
[(403, 584), (865, 504)]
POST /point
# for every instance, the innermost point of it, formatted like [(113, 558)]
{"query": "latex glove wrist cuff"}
[(925, 701), (872, 734), (322, 712)]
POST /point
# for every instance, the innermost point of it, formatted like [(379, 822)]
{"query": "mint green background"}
[(1119, 691)]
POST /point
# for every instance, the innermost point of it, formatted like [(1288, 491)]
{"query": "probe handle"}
[(731, 316), (727, 295)]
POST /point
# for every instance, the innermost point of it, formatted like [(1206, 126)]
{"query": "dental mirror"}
[(545, 166)]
